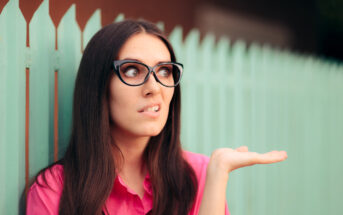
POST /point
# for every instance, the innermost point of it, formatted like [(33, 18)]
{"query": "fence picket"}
[(208, 88), (12, 153), (239, 118), (92, 26), (190, 60), (221, 75), (175, 38), (42, 39), (119, 18), (69, 52)]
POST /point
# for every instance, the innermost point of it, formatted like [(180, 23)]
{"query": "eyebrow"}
[(142, 62)]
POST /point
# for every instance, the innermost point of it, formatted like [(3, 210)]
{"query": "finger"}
[(271, 157), (242, 149)]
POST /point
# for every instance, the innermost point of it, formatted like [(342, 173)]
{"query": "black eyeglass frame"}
[(118, 63)]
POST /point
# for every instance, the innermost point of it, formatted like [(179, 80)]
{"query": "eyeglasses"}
[(135, 73)]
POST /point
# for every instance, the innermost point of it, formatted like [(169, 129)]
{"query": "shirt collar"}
[(119, 184)]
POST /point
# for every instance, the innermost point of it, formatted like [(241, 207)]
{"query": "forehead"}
[(146, 48)]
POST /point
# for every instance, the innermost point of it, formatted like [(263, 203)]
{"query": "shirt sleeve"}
[(227, 212), (199, 164), (44, 199)]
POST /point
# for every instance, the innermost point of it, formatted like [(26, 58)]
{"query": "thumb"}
[(242, 149)]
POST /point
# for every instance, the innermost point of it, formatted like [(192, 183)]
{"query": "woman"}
[(125, 155)]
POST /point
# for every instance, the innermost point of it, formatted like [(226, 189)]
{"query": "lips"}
[(150, 108)]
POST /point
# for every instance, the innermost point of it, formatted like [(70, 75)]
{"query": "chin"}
[(151, 132)]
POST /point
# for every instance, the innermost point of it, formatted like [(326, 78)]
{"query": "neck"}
[(132, 149)]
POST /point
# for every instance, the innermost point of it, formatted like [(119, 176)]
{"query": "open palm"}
[(231, 159), (222, 162)]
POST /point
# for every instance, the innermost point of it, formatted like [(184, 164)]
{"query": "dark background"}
[(312, 26)]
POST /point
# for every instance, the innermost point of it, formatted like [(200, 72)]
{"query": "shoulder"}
[(44, 195), (199, 164), (51, 177), (197, 161)]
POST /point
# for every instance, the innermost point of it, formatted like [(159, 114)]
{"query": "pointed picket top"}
[(12, 106), (70, 15), (14, 3), (3, 25), (238, 51), (254, 68), (69, 52), (317, 67), (42, 12), (193, 38), (119, 18), (191, 55), (160, 25), (176, 34), (254, 57), (42, 40), (175, 38), (239, 48), (314, 71), (223, 40), (265, 56), (92, 26), (283, 69), (207, 48), (222, 53), (222, 49), (208, 41), (308, 67), (273, 69), (69, 33), (222, 58), (254, 50), (3, 4)]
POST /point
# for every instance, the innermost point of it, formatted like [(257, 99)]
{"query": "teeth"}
[(154, 108)]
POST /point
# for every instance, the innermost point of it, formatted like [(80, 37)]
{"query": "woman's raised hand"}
[(222, 162), (227, 159)]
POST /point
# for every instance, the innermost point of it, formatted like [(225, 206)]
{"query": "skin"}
[(222, 162), (132, 130)]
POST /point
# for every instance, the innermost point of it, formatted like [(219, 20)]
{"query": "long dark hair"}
[(89, 166)]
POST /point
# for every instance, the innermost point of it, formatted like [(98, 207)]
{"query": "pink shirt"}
[(122, 200)]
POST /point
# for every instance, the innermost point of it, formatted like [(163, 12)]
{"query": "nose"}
[(151, 86)]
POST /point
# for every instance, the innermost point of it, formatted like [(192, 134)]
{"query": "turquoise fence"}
[(232, 95)]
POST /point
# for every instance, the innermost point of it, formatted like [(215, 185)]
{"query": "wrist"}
[(217, 171)]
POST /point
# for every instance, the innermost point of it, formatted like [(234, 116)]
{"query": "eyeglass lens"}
[(135, 73)]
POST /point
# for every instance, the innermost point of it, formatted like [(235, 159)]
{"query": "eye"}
[(131, 71), (164, 71)]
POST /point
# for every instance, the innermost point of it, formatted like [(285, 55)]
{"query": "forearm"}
[(213, 200)]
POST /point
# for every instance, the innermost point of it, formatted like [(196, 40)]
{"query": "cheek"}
[(119, 100), (115, 109), (167, 100), (169, 92), (122, 113)]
